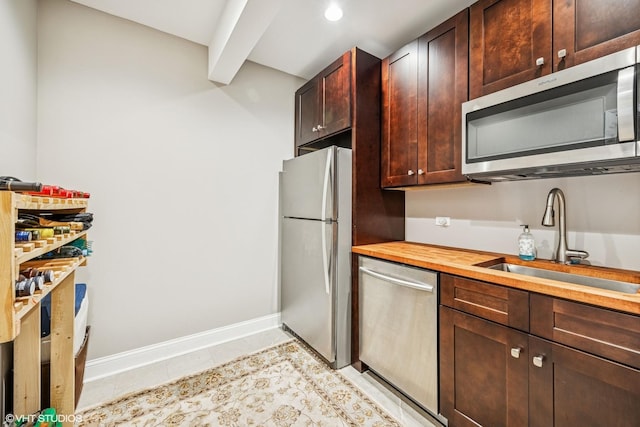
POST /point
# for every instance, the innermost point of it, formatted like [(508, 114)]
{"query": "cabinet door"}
[(589, 29), (483, 372), (442, 88), (335, 83), (507, 38), (572, 388), (307, 112), (400, 117)]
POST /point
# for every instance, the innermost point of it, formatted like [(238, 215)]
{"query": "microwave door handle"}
[(625, 104)]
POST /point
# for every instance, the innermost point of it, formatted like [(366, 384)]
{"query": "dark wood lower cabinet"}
[(492, 375), (571, 388), (483, 372)]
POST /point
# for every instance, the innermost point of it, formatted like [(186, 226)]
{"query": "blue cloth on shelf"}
[(45, 308)]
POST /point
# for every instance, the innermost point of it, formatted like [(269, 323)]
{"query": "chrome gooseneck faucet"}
[(562, 253)]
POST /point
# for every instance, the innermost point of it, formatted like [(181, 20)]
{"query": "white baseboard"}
[(127, 360)]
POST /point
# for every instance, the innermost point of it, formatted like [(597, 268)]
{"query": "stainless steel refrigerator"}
[(315, 251)]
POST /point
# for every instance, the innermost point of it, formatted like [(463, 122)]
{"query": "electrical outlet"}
[(443, 221)]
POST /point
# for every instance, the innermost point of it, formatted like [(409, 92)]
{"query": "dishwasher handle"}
[(397, 281)]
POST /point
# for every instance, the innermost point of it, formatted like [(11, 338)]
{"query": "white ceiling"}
[(288, 35)]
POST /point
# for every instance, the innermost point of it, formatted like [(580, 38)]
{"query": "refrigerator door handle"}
[(325, 260), (323, 216), (325, 187)]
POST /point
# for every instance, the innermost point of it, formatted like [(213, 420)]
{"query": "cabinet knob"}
[(562, 53), (314, 129), (320, 127), (411, 172), (537, 361), (540, 62), (420, 172), (515, 352)]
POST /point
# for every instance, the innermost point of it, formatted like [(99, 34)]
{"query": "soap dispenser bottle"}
[(526, 245)]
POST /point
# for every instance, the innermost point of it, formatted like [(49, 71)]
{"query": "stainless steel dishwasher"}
[(398, 308)]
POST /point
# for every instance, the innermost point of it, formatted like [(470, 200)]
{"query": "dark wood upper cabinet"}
[(443, 55), (336, 96), (400, 117), (307, 107), (513, 41), (589, 29), (510, 43), (423, 85), (323, 104)]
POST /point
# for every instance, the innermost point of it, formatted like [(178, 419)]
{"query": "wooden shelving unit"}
[(20, 317)]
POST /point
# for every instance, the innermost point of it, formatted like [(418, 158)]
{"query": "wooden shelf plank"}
[(62, 360), (26, 366), (62, 266), (55, 243)]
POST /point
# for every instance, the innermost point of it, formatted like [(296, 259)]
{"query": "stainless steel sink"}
[(613, 285)]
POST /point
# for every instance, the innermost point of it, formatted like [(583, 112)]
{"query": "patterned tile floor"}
[(109, 388)]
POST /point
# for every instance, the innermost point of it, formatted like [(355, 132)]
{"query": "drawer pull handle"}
[(538, 361), (515, 352), (396, 281)]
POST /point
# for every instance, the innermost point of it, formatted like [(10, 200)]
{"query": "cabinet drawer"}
[(500, 304), (599, 331)]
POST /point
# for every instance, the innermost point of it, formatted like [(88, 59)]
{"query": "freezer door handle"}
[(397, 281), (325, 187), (323, 216)]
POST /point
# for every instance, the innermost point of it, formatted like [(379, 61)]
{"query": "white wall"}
[(182, 174), (18, 19), (603, 217)]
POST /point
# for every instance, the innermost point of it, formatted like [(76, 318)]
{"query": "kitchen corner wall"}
[(603, 217), (183, 174), (18, 19)]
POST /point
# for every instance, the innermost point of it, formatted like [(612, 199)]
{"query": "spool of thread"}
[(25, 288), (23, 236), (44, 233), (29, 272), (61, 229), (48, 275), (39, 282)]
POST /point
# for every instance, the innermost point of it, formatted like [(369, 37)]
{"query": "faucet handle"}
[(576, 257)]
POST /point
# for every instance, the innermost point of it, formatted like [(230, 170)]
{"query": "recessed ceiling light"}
[(333, 12)]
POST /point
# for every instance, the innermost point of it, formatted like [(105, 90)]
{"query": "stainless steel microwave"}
[(579, 121)]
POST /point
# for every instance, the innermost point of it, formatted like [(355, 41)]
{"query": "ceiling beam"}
[(239, 28)]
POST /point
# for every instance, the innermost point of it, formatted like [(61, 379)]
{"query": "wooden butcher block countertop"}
[(472, 264)]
